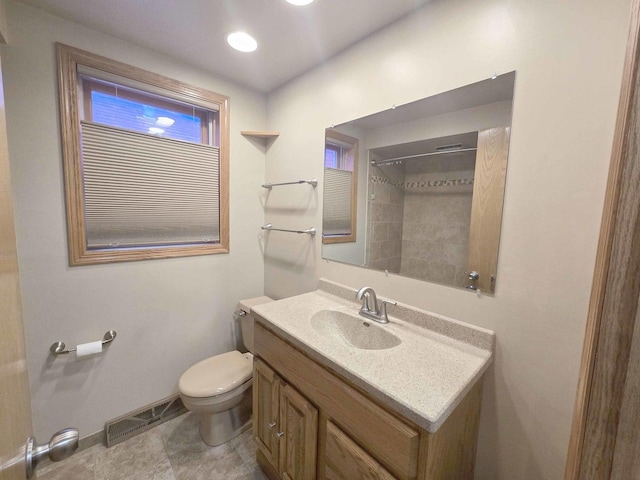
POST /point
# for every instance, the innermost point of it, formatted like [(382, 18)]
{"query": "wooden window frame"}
[(68, 60), (352, 154)]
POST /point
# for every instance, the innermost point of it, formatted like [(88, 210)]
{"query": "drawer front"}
[(390, 441), (345, 460)]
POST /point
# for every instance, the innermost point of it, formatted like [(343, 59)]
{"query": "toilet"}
[(218, 389)]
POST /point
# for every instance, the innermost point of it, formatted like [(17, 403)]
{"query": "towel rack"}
[(313, 182), (309, 231), (59, 348)]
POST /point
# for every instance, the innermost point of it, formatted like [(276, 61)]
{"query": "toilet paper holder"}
[(59, 348)]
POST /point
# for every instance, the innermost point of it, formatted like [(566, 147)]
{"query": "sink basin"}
[(353, 330)]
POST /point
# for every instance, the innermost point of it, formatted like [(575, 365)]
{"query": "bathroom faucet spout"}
[(368, 297)]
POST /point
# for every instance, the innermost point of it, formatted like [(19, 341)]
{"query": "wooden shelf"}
[(259, 134)]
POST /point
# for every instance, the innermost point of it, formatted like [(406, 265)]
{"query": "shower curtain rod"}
[(442, 152)]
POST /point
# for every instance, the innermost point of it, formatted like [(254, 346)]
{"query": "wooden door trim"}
[(487, 205), (17, 426), (612, 306)]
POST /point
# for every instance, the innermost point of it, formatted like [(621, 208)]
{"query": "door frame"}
[(16, 427), (614, 296)]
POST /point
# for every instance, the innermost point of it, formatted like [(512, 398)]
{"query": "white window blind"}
[(336, 216), (145, 190)]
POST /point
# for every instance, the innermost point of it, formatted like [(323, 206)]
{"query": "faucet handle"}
[(383, 308)]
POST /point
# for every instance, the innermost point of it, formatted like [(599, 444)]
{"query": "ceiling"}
[(291, 39)]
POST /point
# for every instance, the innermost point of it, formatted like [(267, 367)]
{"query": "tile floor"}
[(171, 451)]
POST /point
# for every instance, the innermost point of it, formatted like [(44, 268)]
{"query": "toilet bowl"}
[(218, 389)]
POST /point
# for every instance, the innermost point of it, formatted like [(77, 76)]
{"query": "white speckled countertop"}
[(423, 378)]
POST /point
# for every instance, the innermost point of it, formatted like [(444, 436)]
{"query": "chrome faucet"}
[(370, 308)]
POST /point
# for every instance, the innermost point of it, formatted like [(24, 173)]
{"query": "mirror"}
[(420, 191)]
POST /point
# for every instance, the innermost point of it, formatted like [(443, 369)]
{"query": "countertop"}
[(423, 378)]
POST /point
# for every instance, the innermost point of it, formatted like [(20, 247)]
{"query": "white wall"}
[(568, 57), (168, 313), (453, 123)]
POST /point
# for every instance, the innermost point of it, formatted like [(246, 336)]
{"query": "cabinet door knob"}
[(272, 424)]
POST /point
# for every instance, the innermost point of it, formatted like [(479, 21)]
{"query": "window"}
[(340, 188), (112, 104), (146, 162)]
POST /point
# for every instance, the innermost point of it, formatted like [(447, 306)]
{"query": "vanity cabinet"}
[(285, 426), (316, 423)]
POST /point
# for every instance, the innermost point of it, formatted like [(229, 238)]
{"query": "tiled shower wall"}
[(419, 216), (384, 227), (437, 214)]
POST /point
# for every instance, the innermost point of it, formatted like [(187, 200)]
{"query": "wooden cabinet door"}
[(345, 460), (298, 436), (266, 399), (486, 206)]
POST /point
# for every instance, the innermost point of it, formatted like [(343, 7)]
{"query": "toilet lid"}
[(216, 375)]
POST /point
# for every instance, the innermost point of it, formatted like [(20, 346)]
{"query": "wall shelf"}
[(260, 134)]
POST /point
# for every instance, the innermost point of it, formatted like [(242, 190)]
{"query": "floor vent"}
[(129, 425)]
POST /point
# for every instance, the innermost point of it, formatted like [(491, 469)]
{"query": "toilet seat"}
[(216, 375), (216, 403)]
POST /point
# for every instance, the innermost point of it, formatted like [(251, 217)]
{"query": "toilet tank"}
[(246, 321)]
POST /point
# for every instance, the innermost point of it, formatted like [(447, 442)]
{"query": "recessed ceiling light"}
[(300, 2), (242, 41)]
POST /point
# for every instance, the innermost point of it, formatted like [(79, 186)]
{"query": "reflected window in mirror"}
[(340, 188)]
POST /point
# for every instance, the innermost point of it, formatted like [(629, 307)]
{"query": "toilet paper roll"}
[(87, 349)]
